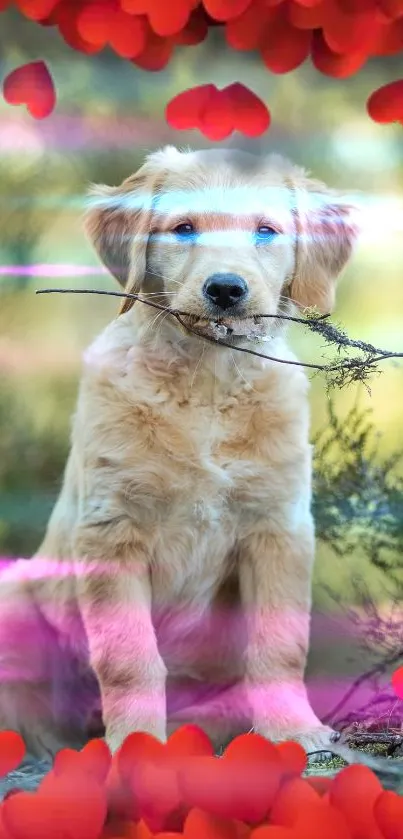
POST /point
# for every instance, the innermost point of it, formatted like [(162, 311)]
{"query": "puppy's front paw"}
[(317, 742), (114, 739), (315, 739)]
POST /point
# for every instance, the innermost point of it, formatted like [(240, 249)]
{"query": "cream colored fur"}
[(180, 551)]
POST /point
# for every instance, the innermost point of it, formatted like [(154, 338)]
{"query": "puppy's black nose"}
[(225, 290)]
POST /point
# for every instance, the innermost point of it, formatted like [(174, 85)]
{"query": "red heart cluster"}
[(254, 791), (143, 31), (339, 36), (217, 113)]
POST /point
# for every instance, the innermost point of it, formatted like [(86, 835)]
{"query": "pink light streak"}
[(37, 646), (42, 269)]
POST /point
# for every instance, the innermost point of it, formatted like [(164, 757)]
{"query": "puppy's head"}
[(223, 236)]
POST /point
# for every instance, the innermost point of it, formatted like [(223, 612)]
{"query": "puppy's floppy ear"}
[(326, 230), (118, 224)]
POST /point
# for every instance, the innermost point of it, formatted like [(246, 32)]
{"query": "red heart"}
[(397, 677), (94, 22), (307, 17), (4, 833), (386, 105), (333, 64), (308, 4), (189, 741), (138, 748), (392, 8), (225, 9), (259, 763), (196, 29), (318, 820), (184, 110), (170, 17), (320, 783), (150, 770), (160, 802), (121, 803), (128, 35), (246, 31), (31, 85), (218, 112), (294, 759), (12, 751), (217, 119), (23, 816), (66, 16), (97, 759), (36, 9), (390, 39), (135, 7), (388, 811), (230, 788), (130, 765), (284, 47), (60, 809), (156, 54), (346, 33), (358, 5), (201, 825), (252, 749), (138, 830), (206, 785), (94, 760), (251, 116), (157, 787), (273, 831), (354, 792), (291, 800)]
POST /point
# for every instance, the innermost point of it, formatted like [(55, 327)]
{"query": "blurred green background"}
[(109, 114)]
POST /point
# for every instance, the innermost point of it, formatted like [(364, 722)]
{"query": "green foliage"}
[(32, 460), (358, 497)]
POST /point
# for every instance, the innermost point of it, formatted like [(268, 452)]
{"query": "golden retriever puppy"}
[(174, 581)]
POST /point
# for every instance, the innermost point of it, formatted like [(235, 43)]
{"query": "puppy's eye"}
[(265, 233), (185, 230)]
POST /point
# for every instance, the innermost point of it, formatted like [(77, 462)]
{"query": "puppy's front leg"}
[(275, 579), (114, 595)]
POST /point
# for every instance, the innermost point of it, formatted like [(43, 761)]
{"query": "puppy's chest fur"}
[(197, 461), (203, 449)]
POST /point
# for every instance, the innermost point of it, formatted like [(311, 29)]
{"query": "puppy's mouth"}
[(229, 329)]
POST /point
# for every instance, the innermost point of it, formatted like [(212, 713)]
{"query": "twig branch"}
[(342, 372), (377, 670)]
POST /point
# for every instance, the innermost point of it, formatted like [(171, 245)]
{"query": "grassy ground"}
[(389, 769)]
